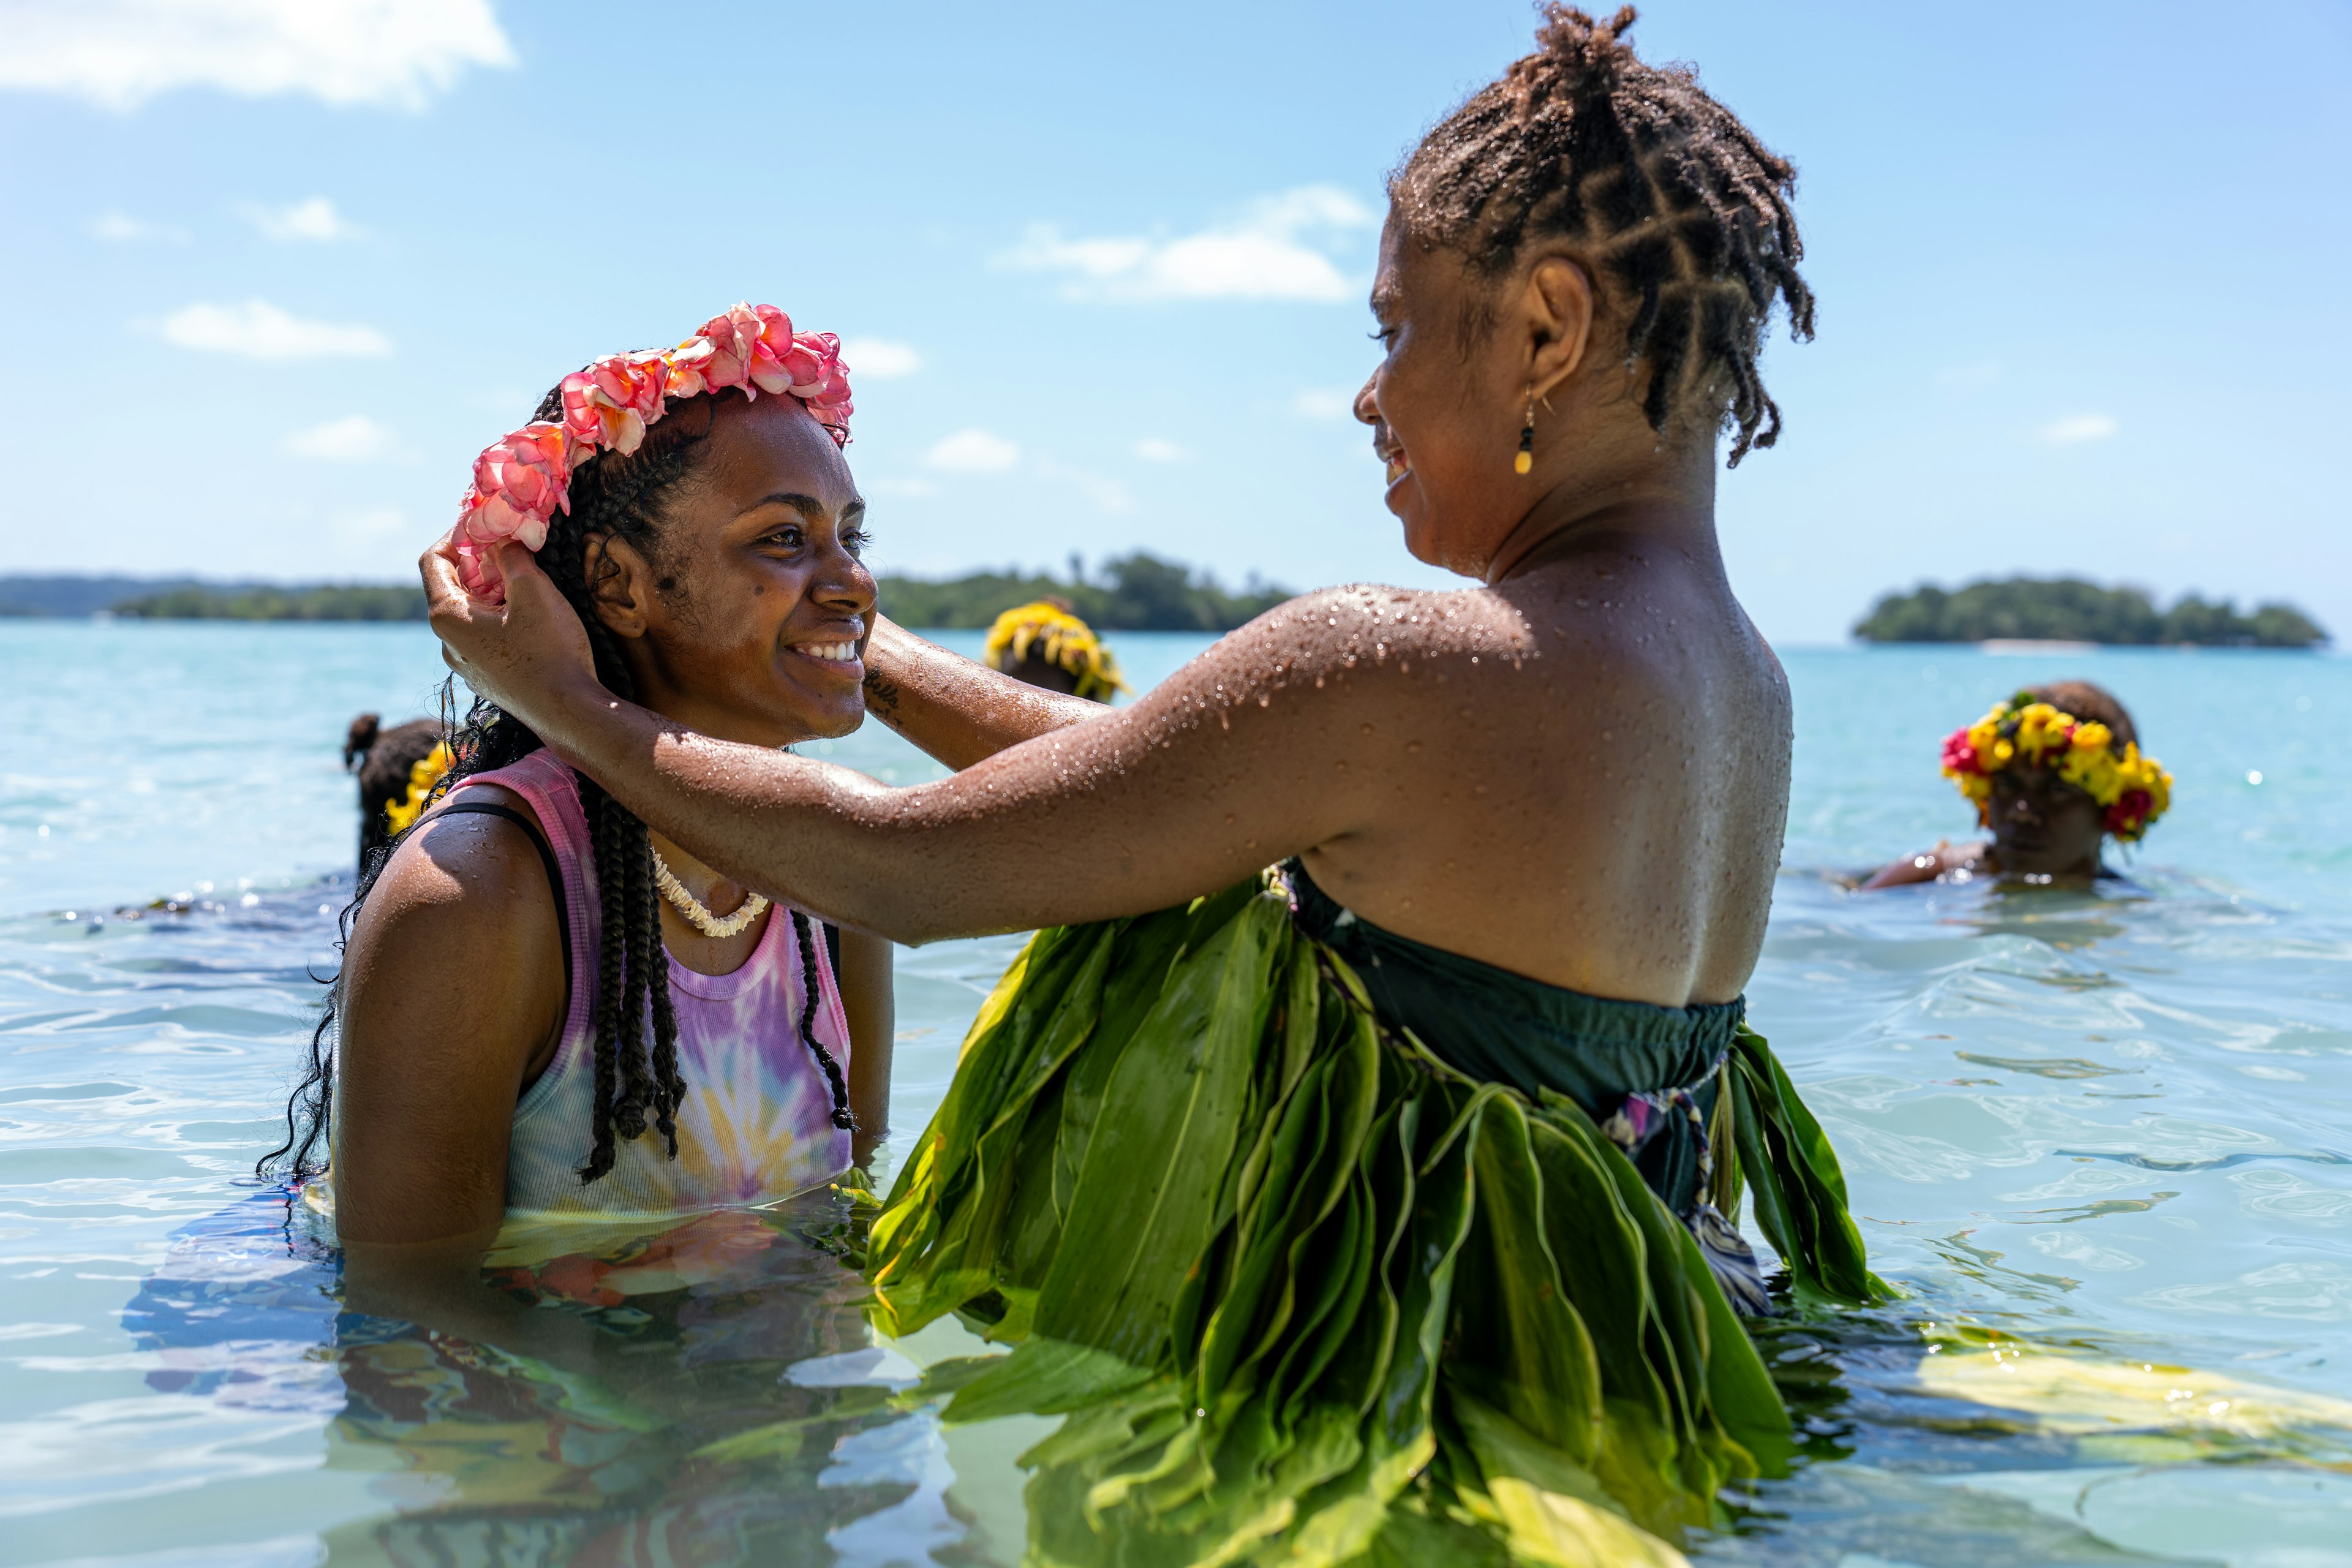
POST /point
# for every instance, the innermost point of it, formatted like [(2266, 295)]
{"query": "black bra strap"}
[(538, 842)]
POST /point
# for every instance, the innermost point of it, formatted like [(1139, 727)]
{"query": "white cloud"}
[(119, 53), (121, 228), (259, 330), (1158, 449), (973, 452), (1329, 403), (2077, 428), (315, 219), (1276, 251), (358, 439), (879, 359)]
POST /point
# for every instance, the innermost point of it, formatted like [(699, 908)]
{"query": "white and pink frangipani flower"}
[(519, 480), (609, 404), (523, 479)]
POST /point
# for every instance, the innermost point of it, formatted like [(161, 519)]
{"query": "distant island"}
[(2067, 609), (333, 602), (1138, 592)]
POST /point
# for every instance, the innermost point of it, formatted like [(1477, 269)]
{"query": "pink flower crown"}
[(523, 478)]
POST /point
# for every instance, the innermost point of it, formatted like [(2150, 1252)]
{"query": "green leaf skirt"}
[(1308, 1294)]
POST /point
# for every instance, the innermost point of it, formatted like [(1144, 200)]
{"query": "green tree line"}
[(1130, 593), (2068, 609), (1138, 592), (345, 602)]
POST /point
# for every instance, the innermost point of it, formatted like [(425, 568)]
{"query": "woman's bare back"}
[(1585, 776)]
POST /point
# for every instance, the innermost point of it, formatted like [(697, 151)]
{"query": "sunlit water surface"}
[(2088, 1133)]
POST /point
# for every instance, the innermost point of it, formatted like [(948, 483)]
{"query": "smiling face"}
[(1443, 412), (2043, 826), (746, 616), (1471, 357)]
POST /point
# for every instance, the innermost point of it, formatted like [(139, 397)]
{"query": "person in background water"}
[(544, 1008), (1045, 644), (2053, 771), (398, 768)]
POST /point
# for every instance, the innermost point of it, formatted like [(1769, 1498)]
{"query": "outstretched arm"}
[(956, 710), (1258, 749), (1926, 865)]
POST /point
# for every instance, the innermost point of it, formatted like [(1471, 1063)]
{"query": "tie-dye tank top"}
[(757, 1122)]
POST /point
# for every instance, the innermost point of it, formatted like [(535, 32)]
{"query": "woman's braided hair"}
[(638, 1084), (1676, 202)]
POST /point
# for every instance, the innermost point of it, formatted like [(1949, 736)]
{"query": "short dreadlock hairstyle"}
[(613, 495), (1679, 207)]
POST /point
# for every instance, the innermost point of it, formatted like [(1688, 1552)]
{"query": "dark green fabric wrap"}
[(1500, 1027), (1307, 1292)]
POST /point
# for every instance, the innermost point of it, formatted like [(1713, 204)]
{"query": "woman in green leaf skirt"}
[(1375, 1204)]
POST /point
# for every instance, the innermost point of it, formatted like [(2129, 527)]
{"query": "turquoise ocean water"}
[(2088, 1134)]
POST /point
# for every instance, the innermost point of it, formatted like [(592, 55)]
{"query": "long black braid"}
[(612, 496), (804, 937), (1677, 202)]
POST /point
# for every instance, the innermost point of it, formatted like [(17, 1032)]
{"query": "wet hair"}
[(385, 761), (638, 1084), (360, 740), (1677, 205), (2085, 700)]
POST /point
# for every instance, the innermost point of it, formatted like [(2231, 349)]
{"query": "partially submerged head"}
[(1045, 644), (1592, 246), (2053, 771)]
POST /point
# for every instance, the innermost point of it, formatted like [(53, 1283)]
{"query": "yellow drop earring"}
[(1525, 462)]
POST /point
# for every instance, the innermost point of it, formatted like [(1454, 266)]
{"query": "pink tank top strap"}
[(552, 792)]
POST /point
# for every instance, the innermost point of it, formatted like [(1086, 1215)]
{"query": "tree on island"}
[(2068, 609)]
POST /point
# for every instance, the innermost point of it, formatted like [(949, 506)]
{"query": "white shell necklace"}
[(697, 912)]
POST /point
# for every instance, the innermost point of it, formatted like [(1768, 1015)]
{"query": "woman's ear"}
[(620, 583), (1558, 306)]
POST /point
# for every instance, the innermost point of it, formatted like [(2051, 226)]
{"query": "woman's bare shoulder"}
[(455, 962), (464, 878), (1368, 629), (1334, 658)]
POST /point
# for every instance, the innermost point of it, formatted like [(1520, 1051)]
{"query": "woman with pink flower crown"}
[(546, 1010), (1357, 1144)]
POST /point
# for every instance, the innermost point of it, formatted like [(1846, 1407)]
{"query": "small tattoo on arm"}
[(881, 694)]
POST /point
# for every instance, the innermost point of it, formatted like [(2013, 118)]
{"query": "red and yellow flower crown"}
[(2132, 790), (523, 478)]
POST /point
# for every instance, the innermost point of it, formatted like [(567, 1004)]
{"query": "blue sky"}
[(288, 263)]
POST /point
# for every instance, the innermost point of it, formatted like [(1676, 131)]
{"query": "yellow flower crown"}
[(422, 778), (2132, 790), (1069, 644)]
